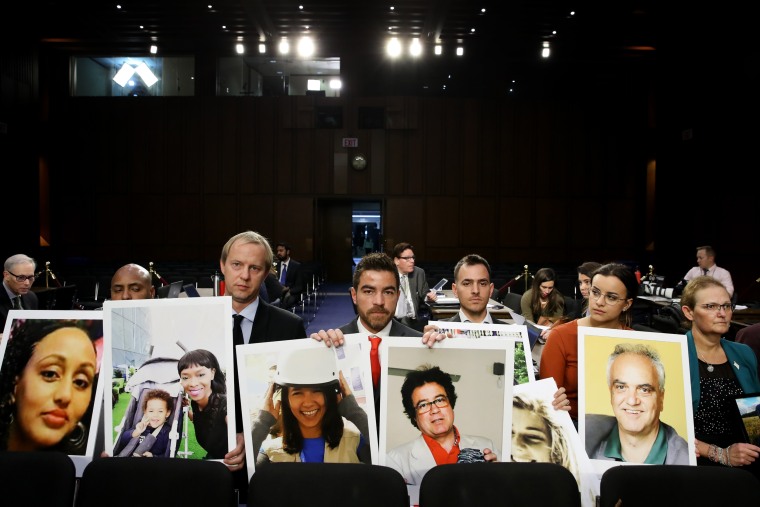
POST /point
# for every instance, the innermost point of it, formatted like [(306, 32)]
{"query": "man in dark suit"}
[(473, 287), (414, 291), (290, 276), (245, 262), (132, 281), (18, 277), (375, 293)]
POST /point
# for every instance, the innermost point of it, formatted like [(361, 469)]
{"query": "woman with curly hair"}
[(47, 379)]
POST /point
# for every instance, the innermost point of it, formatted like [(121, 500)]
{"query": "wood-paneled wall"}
[(514, 180)]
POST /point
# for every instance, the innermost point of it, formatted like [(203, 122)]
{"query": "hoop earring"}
[(78, 435)]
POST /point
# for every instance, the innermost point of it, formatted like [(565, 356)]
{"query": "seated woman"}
[(542, 304), (314, 399), (719, 369), (613, 288)]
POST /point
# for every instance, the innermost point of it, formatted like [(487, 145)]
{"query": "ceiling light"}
[(460, 50), (125, 72), (262, 48), (240, 49), (153, 49), (313, 85), (335, 84), (284, 47), (545, 51), (415, 48), (438, 49), (305, 47), (393, 47), (145, 73)]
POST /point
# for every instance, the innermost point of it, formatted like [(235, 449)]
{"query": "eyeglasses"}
[(714, 307), (612, 299), (424, 407), (409, 258), (22, 278)]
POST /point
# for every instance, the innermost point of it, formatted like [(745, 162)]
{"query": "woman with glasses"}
[(720, 370), (542, 303), (613, 288)]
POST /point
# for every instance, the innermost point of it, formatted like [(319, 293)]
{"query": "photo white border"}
[(472, 331), (647, 338), (255, 361), (197, 323), (80, 462), (451, 355)]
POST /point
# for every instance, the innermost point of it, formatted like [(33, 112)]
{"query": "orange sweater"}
[(559, 360)]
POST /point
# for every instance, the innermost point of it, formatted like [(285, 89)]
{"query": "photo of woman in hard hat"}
[(319, 417)]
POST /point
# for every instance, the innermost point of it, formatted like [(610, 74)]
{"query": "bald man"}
[(132, 281)]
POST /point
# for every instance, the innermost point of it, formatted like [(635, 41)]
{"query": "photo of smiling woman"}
[(203, 381), (48, 380), (320, 420)]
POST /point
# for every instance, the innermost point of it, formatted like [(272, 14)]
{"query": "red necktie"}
[(374, 359)]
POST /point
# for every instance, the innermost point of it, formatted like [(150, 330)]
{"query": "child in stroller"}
[(150, 436)]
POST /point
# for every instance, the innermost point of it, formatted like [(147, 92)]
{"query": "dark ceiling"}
[(504, 42)]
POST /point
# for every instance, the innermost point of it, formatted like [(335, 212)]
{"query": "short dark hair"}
[(399, 249), (283, 244), (709, 251), (472, 260), (376, 261), (425, 374)]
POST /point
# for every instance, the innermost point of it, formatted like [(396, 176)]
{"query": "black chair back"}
[(677, 485), (126, 482), (37, 478), (327, 484), (514, 484)]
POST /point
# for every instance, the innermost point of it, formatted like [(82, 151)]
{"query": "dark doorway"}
[(346, 230)]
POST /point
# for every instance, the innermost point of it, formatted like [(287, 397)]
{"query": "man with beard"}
[(289, 275)]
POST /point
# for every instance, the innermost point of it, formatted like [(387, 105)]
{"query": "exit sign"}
[(350, 142)]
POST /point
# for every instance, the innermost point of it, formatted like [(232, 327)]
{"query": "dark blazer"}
[(455, 318), (29, 300), (419, 288), (293, 278), (275, 324), (397, 329)]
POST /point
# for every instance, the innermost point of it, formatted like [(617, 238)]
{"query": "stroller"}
[(155, 373)]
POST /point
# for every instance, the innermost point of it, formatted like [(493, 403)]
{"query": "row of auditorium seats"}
[(49, 479)]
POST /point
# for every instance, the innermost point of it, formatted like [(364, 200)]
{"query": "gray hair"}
[(18, 259), (640, 350)]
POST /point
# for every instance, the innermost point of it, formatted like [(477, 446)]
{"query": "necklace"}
[(710, 367)]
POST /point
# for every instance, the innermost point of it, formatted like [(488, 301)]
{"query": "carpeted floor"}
[(335, 308)]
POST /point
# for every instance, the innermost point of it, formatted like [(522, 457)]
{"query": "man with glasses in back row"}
[(414, 292), (18, 277)]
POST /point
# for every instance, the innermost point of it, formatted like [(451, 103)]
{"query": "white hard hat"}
[(312, 366)]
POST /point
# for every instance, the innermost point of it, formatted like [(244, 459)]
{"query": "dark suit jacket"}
[(455, 318), (397, 329), (29, 300), (270, 324), (419, 288), (293, 278)]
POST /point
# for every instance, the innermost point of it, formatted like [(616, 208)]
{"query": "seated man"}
[(132, 281), (635, 434), (18, 277), (706, 267)]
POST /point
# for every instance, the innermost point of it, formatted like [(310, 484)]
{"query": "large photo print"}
[(439, 396), (305, 402), (51, 386), (172, 372), (635, 397)]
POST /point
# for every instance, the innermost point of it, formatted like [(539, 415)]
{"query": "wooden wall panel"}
[(294, 224), (403, 216), (379, 176), (264, 134), (432, 144)]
